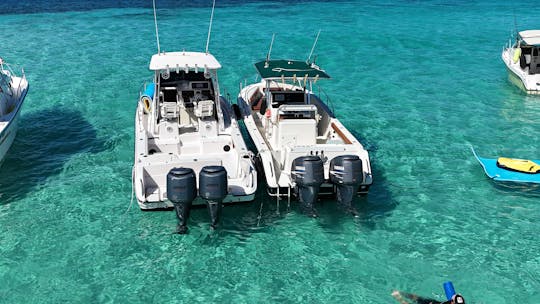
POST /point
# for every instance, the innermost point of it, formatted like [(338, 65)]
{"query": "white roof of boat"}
[(182, 59), (530, 37)]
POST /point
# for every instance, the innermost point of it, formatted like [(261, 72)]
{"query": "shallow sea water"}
[(419, 82)]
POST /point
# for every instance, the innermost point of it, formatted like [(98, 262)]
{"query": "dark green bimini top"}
[(289, 69)]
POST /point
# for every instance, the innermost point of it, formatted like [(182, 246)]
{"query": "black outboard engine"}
[(181, 191), (308, 174), (213, 188), (347, 174)]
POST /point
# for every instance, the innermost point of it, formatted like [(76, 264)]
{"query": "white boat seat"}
[(256, 100), (204, 108), (169, 110), (527, 58)]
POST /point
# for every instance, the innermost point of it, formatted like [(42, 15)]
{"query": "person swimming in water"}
[(409, 298)]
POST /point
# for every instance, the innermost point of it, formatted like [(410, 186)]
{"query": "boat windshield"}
[(288, 97)]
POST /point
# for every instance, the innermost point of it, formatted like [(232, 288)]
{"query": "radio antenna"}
[(515, 21), (210, 26), (314, 44), (270, 49), (155, 23)]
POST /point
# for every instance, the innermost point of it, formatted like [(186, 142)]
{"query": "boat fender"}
[(517, 54), (267, 113), (181, 191), (147, 96), (237, 112), (213, 188), (146, 103)]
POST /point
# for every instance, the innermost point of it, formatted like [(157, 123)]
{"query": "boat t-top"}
[(303, 148), (522, 58), (188, 145), (13, 89)]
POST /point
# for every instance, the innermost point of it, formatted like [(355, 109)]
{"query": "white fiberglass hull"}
[(518, 76), (7, 136), (10, 121), (277, 156), (190, 150)]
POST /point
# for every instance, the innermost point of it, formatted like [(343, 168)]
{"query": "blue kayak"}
[(505, 175)]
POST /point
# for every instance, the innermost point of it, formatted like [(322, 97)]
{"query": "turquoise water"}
[(417, 81)]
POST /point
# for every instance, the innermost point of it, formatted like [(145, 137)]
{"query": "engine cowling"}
[(308, 175), (346, 173), (213, 188), (181, 191)]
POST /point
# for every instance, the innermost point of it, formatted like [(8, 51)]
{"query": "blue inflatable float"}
[(499, 173)]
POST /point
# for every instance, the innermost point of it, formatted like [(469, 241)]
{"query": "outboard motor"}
[(181, 191), (213, 188), (308, 174), (347, 174)]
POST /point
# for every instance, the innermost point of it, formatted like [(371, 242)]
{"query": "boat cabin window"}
[(187, 87), (289, 97), (297, 114), (530, 59), (169, 94)]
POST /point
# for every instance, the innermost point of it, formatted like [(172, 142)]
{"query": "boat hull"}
[(530, 84), (10, 121), (276, 161), (191, 150), (8, 136)]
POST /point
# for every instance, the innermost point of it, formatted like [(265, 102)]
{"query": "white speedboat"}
[(304, 149), (13, 89), (522, 58), (187, 141)]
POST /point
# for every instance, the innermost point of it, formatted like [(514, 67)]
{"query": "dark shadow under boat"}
[(45, 141)]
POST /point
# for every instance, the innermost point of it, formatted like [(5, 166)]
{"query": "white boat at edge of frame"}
[(13, 90), (302, 147), (522, 59)]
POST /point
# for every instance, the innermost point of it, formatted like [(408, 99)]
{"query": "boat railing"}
[(8, 69), (322, 94)]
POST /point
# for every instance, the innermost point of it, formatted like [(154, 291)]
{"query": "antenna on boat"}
[(210, 26), (155, 23), (270, 49), (314, 44), (515, 21)]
